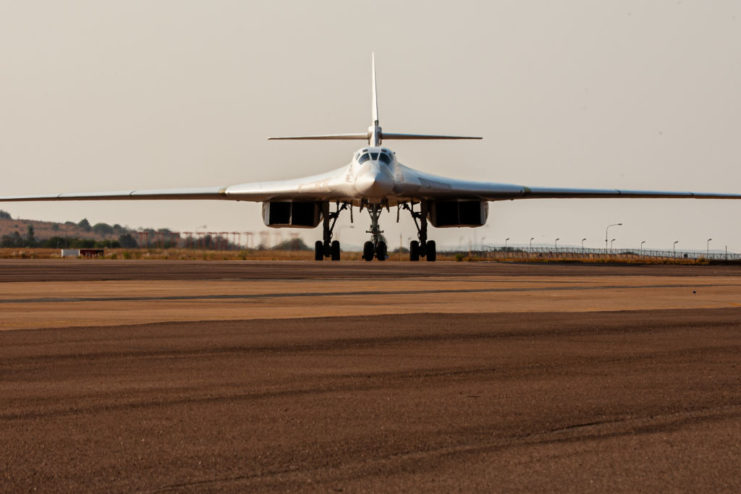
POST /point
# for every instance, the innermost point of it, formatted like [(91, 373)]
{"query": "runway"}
[(273, 377)]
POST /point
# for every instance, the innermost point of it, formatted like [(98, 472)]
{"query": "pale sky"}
[(98, 96)]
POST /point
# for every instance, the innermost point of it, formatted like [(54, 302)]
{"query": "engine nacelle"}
[(457, 213), (291, 214)]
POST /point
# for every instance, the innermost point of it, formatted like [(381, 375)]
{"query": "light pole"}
[(642, 242), (505, 243), (707, 247), (555, 244), (674, 247), (611, 242), (582, 243), (531, 243), (608, 229)]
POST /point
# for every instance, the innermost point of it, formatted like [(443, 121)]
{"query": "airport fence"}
[(569, 252)]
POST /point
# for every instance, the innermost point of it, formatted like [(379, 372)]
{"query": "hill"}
[(18, 232), (49, 229), (32, 233)]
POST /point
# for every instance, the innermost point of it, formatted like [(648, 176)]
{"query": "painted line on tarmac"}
[(249, 296)]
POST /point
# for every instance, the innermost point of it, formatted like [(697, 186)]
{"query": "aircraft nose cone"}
[(374, 182)]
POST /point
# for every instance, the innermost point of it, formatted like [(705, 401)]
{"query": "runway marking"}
[(345, 293)]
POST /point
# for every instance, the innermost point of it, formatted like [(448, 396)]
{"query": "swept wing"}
[(420, 185), (326, 186)]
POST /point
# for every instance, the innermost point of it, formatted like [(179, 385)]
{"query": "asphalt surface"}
[(564, 401), (621, 402), (14, 270)]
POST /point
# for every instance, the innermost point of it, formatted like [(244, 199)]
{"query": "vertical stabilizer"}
[(374, 132), (375, 92)]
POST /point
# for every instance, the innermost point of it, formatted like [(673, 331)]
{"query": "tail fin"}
[(375, 134), (375, 91)]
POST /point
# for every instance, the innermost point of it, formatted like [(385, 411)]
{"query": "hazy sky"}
[(99, 96)]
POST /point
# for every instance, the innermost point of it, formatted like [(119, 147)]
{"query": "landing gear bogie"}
[(414, 251), (423, 247), (431, 251), (368, 251), (381, 251), (328, 247), (334, 250)]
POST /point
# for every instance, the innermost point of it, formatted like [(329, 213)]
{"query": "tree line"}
[(15, 239)]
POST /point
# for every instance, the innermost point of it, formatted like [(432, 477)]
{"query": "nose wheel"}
[(376, 247)]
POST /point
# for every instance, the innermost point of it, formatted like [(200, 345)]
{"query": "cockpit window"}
[(384, 156)]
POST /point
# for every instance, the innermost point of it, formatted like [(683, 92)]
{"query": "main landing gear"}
[(376, 247), (329, 248), (423, 247)]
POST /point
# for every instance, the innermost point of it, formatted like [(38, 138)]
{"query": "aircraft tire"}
[(335, 250), (318, 250), (414, 251), (368, 251), (431, 249), (381, 251)]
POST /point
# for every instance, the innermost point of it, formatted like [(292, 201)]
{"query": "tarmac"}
[(152, 376)]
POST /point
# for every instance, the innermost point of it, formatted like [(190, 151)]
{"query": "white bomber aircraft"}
[(374, 180)]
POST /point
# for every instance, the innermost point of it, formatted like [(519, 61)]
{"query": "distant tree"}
[(108, 244), (55, 227), (12, 240), (4, 215), (292, 244), (30, 240), (127, 241), (55, 243), (82, 243), (207, 242), (103, 229), (84, 224)]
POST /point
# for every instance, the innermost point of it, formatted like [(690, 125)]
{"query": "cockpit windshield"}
[(384, 156)]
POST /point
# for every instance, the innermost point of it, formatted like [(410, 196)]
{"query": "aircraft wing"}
[(327, 186), (192, 193), (567, 193), (428, 186)]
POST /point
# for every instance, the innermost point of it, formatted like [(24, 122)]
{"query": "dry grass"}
[(285, 255)]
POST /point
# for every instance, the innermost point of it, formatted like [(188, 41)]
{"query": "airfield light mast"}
[(607, 230)]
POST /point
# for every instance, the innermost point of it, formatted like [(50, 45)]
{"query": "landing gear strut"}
[(376, 247), (328, 247), (423, 247)]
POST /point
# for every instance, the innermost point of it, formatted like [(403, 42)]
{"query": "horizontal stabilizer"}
[(324, 137), (392, 135), (366, 136)]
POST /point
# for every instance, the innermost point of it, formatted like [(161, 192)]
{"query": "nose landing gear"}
[(376, 247)]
